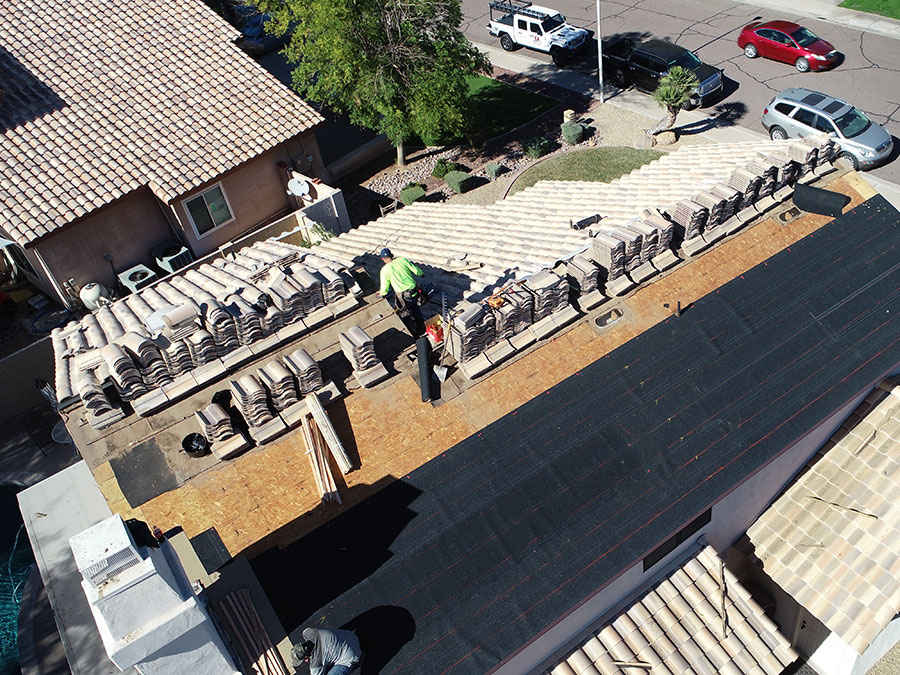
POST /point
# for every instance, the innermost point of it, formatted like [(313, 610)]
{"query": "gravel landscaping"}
[(608, 125)]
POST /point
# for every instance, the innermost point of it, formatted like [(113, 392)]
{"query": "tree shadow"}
[(724, 115), (33, 99), (382, 632)]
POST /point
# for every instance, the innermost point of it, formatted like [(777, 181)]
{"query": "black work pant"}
[(410, 300)]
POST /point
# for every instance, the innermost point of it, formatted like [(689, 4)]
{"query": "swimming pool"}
[(16, 560)]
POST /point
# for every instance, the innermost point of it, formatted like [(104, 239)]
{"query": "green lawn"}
[(888, 8), (593, 164), (497, 107)]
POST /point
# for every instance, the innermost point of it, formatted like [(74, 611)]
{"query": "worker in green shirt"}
[(400, 275)]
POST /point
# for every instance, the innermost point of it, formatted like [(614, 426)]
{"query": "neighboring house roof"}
[(468, 248), (102, 97), (830, 540), (678, 626)]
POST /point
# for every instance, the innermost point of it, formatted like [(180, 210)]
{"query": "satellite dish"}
[(298, 187)]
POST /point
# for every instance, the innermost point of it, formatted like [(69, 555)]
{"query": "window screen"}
[(209, 210)]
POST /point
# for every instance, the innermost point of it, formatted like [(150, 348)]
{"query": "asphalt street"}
[(867, 77)]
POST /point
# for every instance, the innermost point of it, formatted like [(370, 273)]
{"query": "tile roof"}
[(467, 248), (677, 627), (101, 97), (830, 540)]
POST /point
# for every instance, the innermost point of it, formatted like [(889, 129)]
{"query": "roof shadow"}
[(330, 560), (23, 97)]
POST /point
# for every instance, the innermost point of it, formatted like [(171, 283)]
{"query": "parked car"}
[(788, 42), (799, 112), (642, 64), (518, 22)]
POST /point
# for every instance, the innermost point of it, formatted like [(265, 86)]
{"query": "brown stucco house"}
[(125, 126)]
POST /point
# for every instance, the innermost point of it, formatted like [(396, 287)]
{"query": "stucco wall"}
[(255, 192), (126, 230), (18, 372)]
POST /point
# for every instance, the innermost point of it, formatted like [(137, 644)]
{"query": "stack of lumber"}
[(328, 433), (257, 651), (317, 452)]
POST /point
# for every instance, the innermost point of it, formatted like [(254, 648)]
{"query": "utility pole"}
[(599, 53)]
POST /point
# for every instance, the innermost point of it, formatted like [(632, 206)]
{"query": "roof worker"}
[(400, 275), (327, 651)]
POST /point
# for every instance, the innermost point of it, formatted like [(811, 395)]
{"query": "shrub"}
[(443, 167), (459, 181), (412, 193), (536, 147), (572, 133), (493, 170)]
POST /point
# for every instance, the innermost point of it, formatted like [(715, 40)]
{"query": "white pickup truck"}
[(521, 23)]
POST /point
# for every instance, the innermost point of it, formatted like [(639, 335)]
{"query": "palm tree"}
[(674, 90)]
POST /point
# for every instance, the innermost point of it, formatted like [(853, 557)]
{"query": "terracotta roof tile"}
[(145, 85), (675, 628), (845, 521)]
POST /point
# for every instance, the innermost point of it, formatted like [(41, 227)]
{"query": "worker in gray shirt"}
[(327, 651)]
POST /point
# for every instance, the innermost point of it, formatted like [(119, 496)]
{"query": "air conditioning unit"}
[(137, 277), (104, 551), (171, 257)]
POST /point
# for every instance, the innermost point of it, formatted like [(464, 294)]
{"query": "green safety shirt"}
[(398, 274)]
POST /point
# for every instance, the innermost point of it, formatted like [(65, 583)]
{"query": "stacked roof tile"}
[(359, 349), (830, 540), (102, 97), (470, 251), (678, 627), (215, 423), (280, 383), (250, 397), (190, 319), (306, 370)]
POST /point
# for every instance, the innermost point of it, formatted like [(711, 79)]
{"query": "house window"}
[(677, 539), (208, 210)]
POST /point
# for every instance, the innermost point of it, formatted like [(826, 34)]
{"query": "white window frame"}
[(200, 194)]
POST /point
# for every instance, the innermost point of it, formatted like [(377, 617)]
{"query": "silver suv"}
[(798, 112)]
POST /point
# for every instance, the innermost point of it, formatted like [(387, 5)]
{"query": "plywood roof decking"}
[(468, 248), (492, 542), (101, 97), (830, 540), (676, 627)]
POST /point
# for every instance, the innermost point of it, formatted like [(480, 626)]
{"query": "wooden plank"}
[(328, 432)]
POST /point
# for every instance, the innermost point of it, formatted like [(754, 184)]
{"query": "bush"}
[(411, 193), (459, 181), (443, 167), (536, 147), (572, 133), (493, 170)]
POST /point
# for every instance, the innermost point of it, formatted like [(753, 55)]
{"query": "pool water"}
[(16, 560)]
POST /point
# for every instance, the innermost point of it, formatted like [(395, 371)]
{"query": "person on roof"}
[(327, 651), (400, 275)]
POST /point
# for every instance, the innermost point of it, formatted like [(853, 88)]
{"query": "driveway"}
[(867, 78)]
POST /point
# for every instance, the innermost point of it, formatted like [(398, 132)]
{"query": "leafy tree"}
[(399, 67), (673, 91)]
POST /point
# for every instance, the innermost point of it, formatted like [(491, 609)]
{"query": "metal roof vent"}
[(105, 551)]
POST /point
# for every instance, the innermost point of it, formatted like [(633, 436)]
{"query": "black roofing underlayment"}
[(456, 566)]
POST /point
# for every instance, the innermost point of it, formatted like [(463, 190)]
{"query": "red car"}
[(788, 42)]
